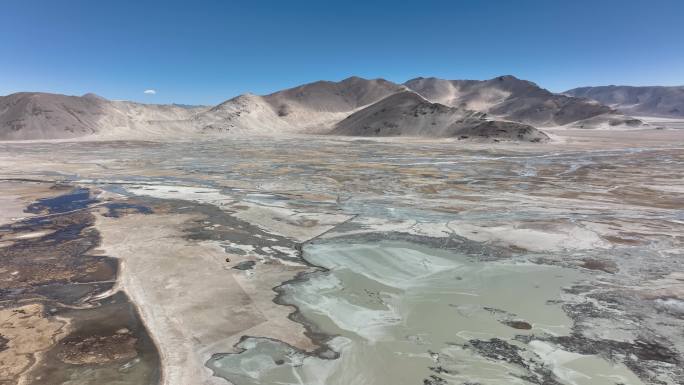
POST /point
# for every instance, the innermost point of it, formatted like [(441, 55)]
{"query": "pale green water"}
[(399, 309)]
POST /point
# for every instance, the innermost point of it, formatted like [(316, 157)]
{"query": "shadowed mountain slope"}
[(409, 114)]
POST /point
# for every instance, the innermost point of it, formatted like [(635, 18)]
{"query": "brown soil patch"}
[(98, 349)]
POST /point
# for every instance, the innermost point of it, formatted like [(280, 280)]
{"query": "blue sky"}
[(203, 52)]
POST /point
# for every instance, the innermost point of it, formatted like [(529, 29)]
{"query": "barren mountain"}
[(35, 115), (510, 98), (409, 114), (640, 101), (244, 113), (312, 107), (38, 115)]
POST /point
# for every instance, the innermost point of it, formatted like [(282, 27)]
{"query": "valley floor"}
[(263, 260)]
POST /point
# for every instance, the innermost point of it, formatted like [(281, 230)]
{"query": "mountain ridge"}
[(317, 107), (656, 101), (510, 98)]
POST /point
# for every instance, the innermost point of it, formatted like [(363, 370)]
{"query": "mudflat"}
[(288, 259)]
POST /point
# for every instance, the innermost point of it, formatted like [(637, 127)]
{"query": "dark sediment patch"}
[(624, 240), (57, 267), (434, 380), (509, 319), (3, 343), (645, 358), (642, 350), (219, 225), (117, 209), (98, 349), (454, 243), (78, 198), (440, 370), (598, 264), (106, 344), (245, 265), (517, 324), (499, 350), (649, 355)]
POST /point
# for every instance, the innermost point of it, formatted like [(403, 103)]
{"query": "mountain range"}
[(667, 102), (502, 108)]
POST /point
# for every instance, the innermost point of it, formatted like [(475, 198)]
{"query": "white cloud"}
[(150, 92)]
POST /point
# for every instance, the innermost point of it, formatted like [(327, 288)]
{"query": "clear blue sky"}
[(203, 52)]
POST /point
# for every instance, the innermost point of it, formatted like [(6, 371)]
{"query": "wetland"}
[(342, 261)]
